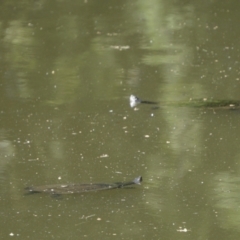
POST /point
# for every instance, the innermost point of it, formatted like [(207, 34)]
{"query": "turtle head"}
[(134, 101), (138, 180)]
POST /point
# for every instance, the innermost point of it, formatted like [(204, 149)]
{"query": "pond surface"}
[(67, 71)]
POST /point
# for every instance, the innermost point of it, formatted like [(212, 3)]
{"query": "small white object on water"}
[(183, 230)]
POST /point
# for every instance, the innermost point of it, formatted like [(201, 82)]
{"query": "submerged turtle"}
[(59, 189), (198, 103)]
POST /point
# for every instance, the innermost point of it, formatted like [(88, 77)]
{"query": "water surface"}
[(67, 71)]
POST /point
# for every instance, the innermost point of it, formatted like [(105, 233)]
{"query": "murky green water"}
[(67, 71)]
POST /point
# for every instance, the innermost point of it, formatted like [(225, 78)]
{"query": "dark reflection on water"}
[(67, 71)]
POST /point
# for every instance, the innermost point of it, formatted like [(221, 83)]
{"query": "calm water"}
[(67, 71)]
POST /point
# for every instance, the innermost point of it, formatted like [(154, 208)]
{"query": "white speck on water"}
[(183, 229)]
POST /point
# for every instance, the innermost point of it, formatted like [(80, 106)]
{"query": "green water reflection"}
[(67, 71)]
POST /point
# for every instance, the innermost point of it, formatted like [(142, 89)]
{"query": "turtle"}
[(59, 189), (134, 101), (197, 103)]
